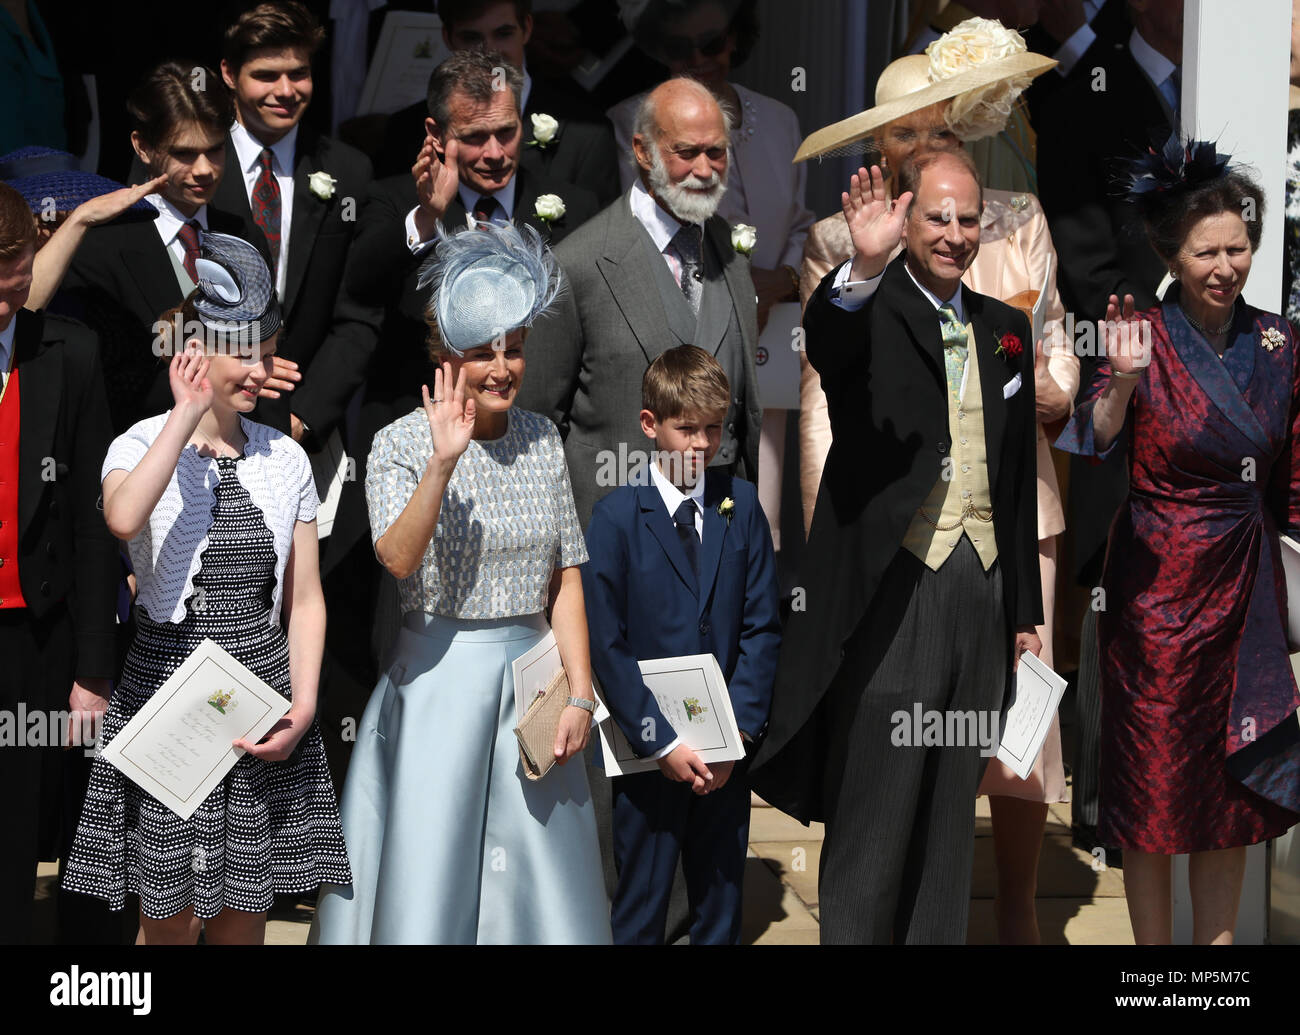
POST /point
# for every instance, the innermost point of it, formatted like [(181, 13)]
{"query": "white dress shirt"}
[(248, 149), (169, 222), (673, 497), (505, 199), (7, 349)]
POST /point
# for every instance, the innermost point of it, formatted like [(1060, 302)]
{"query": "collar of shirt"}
[(673, 496), (524, 93), (936, 301), (171, 219), (661, 227), (7, 344), (249, 151), (1157, 67), (505, 197)]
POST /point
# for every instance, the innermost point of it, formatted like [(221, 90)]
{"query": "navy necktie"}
[(684, 517), (486, 209)]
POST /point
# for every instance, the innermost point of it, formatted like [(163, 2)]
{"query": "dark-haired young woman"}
[(1200, 753), (126, 274)]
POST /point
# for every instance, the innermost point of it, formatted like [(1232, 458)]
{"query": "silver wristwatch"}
[(585, 703)]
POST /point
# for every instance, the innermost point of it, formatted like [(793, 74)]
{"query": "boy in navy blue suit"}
[(681, 563)]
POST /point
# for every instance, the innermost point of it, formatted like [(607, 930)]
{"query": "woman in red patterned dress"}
[(1200, 751)]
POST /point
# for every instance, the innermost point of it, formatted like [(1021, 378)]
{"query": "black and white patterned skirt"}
[(269, 827)]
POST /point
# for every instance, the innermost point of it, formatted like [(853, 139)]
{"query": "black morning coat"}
[(327, 332), (66, 553), (882, 369)]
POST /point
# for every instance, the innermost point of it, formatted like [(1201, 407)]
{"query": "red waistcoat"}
[(11, 594)]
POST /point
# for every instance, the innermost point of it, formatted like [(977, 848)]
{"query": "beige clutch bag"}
[(536, 730)]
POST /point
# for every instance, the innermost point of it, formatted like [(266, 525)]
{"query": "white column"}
[(1236, 62)]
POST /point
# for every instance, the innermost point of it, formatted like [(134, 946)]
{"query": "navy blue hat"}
[(38, 174), (236, 296)]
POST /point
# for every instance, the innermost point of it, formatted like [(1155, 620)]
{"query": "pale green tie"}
[(954, 349)]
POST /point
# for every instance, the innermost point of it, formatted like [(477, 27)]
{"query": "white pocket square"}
[(1011, 387)]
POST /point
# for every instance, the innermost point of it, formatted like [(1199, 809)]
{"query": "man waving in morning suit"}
[(922, 569)]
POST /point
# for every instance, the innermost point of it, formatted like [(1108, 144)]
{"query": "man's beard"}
[(686, 204)]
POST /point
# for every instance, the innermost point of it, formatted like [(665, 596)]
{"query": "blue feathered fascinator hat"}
[(1166, 171), (488, 281)]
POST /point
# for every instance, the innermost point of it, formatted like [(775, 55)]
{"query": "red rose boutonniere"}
[(1009, 346)]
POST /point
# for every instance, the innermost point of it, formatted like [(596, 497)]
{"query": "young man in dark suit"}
[(564, 137), (297, 195), (126, 274), (58, 562), (922, 569), (681, 563)]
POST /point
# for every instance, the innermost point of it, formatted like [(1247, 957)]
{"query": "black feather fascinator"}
[(1160, 175)]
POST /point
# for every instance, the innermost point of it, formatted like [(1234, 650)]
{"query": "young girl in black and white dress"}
[(219, 515)]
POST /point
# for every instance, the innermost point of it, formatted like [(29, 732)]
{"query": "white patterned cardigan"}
[(167, 553)]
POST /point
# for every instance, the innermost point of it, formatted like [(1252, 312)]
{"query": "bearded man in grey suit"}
[(653, 270)]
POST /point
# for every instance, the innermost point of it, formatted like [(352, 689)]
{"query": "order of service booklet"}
[(533, 670), (1029, 716), (692, 694), (178, 746)]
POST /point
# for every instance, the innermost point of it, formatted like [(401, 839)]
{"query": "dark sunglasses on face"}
[(682, 48)]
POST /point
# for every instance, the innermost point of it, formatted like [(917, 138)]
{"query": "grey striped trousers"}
[(896, 860)]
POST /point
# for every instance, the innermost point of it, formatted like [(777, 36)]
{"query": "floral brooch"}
[(744, 238), (550, 207), (1272, 338), (322, 184), (727, 509), (544, 129)]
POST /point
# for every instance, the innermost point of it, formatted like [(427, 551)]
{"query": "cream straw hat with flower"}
[(982, 67)]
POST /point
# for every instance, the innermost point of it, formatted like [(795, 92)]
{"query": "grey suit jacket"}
[(586, 358)]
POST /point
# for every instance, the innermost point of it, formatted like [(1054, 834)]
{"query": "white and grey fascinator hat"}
[(235, 299), (487, 282)]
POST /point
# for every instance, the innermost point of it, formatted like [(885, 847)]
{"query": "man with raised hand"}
[(922, 568)]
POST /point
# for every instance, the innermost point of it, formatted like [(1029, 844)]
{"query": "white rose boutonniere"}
[(744, 238), (550, 207), (322, 184), (544, 129), (727, 509)]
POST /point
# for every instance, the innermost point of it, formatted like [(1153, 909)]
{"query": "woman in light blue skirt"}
[(471, 510)]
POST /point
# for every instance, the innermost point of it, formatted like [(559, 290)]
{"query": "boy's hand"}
[(682, 765), (721, 774)]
